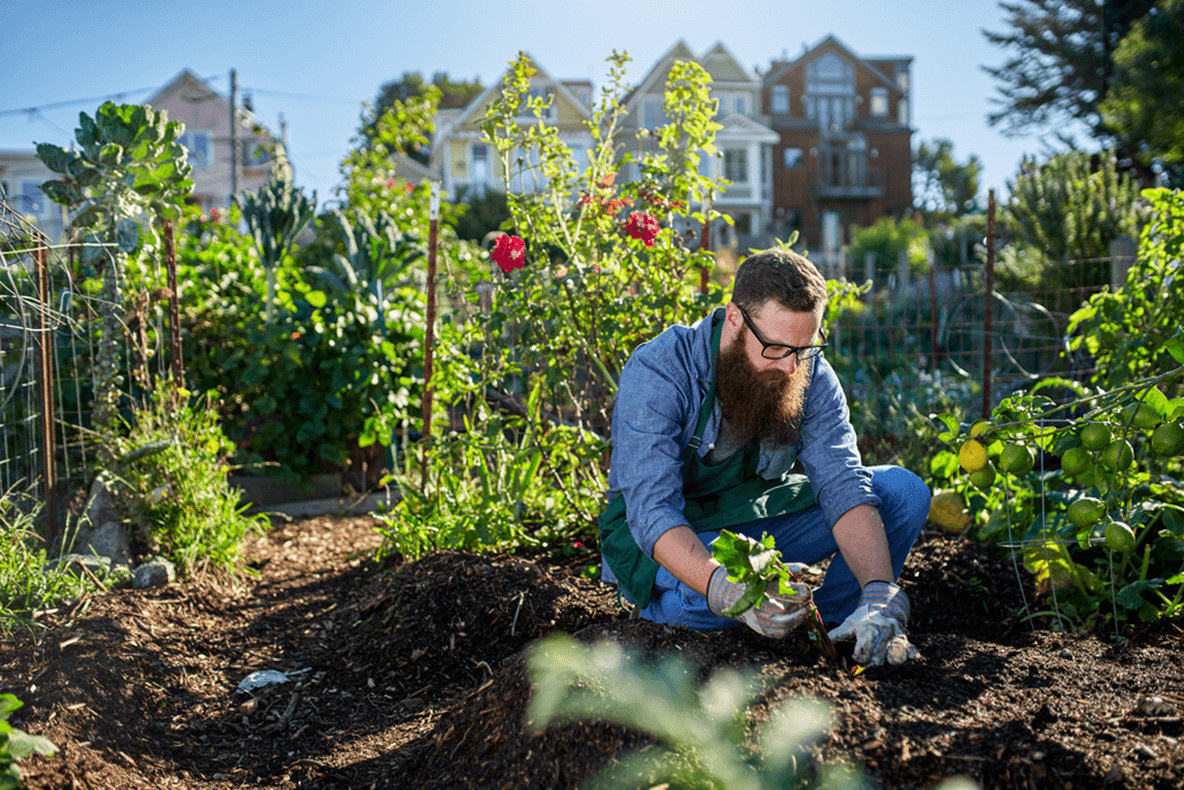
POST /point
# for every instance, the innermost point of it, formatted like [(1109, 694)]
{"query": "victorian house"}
[(467, 164), (745, 142), (844, 152)]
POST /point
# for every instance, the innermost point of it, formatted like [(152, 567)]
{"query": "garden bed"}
[(414, 676)]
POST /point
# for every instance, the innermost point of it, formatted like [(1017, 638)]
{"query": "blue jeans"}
[(805, 537)]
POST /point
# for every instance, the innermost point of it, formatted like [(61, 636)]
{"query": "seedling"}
[(755, 564)]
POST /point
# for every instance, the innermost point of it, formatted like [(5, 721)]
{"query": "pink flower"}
[(408, 187), (215, 215), (642, 225), (509, 253), (390, 182)]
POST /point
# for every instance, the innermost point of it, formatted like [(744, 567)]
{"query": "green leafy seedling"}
[(754, 564)]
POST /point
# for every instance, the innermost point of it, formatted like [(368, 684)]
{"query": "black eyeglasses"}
[(780, 350)]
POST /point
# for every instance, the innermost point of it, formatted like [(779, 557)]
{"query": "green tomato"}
[(1086, 512), (1141, 415), (1075, 460), (983, 478), (1117, 456), (1167, 440), (1120, 536), (1095, 436), (1017, 459)]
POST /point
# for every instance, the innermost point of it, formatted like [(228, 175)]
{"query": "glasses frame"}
[(795, 350)]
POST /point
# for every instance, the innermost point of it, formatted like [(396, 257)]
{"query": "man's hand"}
[(878, 626), (775, 617)]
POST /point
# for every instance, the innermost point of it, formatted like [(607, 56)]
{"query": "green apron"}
[(717, 496)]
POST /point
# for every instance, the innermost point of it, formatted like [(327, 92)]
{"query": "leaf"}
[(316, 298), (127, 235), (1129, 596), (110, 154), (952, 427), (1175, 347), (55, 157), (943, 465), (62, 193)]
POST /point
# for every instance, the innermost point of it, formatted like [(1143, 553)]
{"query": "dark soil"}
[(413, 675)]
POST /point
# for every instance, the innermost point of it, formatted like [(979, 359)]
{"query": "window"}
[(902, 111), (479, 181), (780, 99), (255, 154), (830, 91), (32, 200), (743, 225), (879, 105), (902, 77), (652, 114), (543, 95), (201, 152), (736, 165), (741, 104), (793, 159)]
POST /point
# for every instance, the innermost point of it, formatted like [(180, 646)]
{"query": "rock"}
[(156, 572), (100, 506), (110, 541)]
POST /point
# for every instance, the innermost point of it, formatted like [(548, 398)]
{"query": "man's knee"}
[(904, 496)]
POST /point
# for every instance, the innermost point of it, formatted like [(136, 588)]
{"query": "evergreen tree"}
[(1061, 61), (942, 187)]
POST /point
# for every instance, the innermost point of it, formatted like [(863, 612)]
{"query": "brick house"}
[(844, 156)]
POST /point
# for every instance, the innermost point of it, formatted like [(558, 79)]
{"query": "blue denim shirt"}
[(662, 388)]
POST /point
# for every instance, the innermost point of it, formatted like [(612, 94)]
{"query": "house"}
[(844, 154), (745, 142), (206, 115), (21, 177), (467, 163)]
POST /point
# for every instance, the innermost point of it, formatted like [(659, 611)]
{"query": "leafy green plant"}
[(16, 745), (502, 483), (28, 581), (702, 732), (179, 493), (887, 239), (127, 167)]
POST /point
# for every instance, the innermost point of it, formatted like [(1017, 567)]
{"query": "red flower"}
[(509, 253), (607, 181), (215, 215), (390, 182), (642, 225), (408, 187)]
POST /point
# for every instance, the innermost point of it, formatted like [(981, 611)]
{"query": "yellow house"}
[(468, 164)]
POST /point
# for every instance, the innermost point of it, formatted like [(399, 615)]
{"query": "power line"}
[(289, 95), (72, 102)]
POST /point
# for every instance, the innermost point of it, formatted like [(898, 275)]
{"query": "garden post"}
[(429, 333), (934, 350), (705, 244), (45, 390), (1122, 256), (988, 303), (170, 262)]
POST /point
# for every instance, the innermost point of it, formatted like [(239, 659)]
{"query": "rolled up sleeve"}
[(649, 419), (829, 453)]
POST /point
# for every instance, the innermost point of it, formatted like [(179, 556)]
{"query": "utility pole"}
[(233, 137)]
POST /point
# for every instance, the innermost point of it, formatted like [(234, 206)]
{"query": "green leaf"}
[(316, 298), (1175, 347), (1129, 596), (127, 235), (943, 465), (55, 157), (62, 193), (110, 154)]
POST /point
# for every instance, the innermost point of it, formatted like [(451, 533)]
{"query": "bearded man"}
[(739, 422)]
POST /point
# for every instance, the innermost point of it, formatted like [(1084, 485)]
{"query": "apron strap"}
[(709, 399)]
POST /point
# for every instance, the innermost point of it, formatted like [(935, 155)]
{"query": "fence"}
[(50, 308)]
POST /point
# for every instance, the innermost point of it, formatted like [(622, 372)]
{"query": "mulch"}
[(415, 675)]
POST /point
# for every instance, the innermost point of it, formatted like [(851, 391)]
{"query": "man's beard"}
[(764, 404)]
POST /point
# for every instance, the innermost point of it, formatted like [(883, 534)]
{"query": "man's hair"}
[(780, 275)]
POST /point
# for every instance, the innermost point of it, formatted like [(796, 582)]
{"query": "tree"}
[(1145, 104), (944, 189), (1061, 61), (452, 95)]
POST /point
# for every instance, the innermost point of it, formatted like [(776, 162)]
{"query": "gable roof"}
[(680, 51), (723, 66), (831, 40), (483, 98), (202, 91)]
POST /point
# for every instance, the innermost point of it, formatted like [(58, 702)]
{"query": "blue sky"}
[(317, 61)]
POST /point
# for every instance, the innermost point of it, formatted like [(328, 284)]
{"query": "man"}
[(709, 422)]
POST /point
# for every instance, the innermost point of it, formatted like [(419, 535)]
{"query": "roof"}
[(782, 67), (540, 74), (202, 91), (412, 171), (723, 66)]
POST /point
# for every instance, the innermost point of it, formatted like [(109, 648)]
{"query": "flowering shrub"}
[(642, 226)]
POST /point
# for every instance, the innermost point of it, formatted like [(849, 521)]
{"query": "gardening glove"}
[(878, 626), (775, 617)]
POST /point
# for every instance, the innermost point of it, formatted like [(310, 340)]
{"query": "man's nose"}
[(789, 364)]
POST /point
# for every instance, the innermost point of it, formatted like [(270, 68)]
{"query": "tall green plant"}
[(276, 215), (127, 175)]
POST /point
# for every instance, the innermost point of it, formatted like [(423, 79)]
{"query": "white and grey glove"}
[(775, 617), (878, 626)]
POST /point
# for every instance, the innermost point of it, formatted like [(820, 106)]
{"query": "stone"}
[(110, 540), (156, 572), (74, 563), (100, 506)]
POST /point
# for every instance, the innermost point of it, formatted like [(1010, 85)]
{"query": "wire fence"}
[(50, 315)]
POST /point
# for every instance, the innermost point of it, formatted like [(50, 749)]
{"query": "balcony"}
[(846, 176)]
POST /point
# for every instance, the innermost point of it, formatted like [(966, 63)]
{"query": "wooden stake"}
[(430, 332)]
